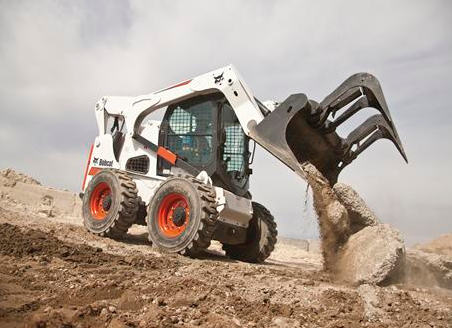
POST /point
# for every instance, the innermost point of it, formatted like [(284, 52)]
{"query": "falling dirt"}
[(332, 215), (55, 274), (356, 247)]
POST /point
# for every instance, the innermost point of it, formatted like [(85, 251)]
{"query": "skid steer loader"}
[(187, 177)]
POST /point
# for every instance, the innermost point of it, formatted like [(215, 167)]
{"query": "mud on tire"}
[(110, 204), (182, 216), (260, 239)]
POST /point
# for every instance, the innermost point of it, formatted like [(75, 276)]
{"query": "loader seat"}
[(196, 148), (201, 148)]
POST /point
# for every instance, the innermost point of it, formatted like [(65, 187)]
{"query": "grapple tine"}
[(369, 87), (372, 96), (373, 129), (361, 103), (338, 103)]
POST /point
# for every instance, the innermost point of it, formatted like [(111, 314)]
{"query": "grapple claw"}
[(373, 129), (299, 130), (367, 84), (366, 88)]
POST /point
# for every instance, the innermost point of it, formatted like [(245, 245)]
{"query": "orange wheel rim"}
[(173, 215), (100, 201)]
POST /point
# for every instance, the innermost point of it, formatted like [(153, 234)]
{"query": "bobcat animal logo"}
[(219, 78)]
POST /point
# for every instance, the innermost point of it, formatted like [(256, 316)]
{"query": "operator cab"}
[(205, 132)]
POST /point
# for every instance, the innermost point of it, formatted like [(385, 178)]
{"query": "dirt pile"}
[(441, 245), (12, 178), (131, 286), (55, 274), (355, 245), (428, 269), (20, 243), (430, 264), (27, 194)]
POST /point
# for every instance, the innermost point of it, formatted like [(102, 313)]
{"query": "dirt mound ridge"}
[(441, 245), (22, 243), (13, 177)]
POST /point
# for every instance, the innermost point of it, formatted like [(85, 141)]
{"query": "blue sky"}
[(57, 58)]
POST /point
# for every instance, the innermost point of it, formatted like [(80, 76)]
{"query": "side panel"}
[(146, 187), (233, 209), (102, 157), (133, 148), (146, 183)]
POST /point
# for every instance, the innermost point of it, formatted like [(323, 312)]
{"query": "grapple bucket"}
[(299, 130)]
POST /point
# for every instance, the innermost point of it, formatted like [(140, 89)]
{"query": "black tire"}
[(141, 213), (123, 203), (260, 239), (198, 224)]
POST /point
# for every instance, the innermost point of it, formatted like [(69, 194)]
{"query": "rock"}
[(104, 313), (359, 213), (374, 255), (112, 309), (151, 313), (116, 323), (236, 322), (160, 301), (285, 322), (45, 211), (372, 308), (428, 269)]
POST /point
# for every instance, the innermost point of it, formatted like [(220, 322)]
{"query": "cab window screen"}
[(190, 132), (234, 146)]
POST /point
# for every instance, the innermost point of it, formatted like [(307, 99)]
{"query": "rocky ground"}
[(55, 274)]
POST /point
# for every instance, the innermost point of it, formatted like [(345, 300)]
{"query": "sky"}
[(58, 58)]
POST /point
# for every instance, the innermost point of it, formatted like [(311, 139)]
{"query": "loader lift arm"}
[(297, 131), (167, 155)]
